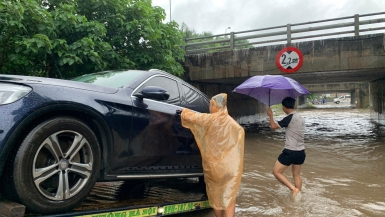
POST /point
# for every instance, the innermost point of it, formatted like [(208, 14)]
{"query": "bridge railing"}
[(351, 25)]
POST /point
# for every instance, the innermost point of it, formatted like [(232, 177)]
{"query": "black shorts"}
[(289, 157)]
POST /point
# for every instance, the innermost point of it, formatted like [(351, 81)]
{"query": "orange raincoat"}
[(221, 142)]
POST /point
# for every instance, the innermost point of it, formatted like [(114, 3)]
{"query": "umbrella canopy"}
[(271, 89)]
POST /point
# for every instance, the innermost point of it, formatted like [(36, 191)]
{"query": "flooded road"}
[(343, 175)]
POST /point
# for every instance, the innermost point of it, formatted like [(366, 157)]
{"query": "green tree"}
[(208, 36), (49, 42), (57, 38), (192, 34), (135, 30)]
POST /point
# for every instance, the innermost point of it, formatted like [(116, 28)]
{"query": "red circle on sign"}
[(281, 58)]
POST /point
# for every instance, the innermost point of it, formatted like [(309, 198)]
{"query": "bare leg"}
[(277, 172), (230, 211), (219, 213), (296, 169)]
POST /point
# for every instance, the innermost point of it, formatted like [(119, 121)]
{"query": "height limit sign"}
[(289, 60)]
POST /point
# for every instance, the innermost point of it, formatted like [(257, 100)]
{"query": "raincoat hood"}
[(218, 103)]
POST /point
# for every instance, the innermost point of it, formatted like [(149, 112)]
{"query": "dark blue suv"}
[(58, 137)]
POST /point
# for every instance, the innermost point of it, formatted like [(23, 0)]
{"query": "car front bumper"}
[(13, 120)]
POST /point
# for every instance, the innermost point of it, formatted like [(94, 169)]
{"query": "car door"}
[(193, 100), (155, 145)]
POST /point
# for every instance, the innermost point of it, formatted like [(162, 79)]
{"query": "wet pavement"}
[(343, 174)]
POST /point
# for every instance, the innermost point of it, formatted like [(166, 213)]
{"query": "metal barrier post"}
[(356, 25), (289, 34), (278, 32), (185, 44), (231, 40)]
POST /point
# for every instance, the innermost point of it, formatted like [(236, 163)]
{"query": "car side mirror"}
[(153, 92)]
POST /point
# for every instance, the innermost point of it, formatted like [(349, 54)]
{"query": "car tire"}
[(338, 102), (56, 166)]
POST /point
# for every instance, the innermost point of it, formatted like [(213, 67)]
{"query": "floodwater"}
[(343, 174)]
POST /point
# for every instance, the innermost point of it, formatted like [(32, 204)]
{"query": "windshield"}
[(113, 79)]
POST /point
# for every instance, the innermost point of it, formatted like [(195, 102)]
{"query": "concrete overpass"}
[(349, 59), (346, 62)]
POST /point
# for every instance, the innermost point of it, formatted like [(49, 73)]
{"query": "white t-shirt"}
[(295, 131)]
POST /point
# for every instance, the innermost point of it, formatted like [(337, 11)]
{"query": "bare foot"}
[(294, 192)]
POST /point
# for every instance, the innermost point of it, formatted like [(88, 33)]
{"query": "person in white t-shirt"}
[(294, 152)]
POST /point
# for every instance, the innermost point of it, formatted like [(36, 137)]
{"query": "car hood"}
[(30, 80)]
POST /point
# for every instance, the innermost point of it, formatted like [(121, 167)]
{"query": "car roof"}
[(158, 71), (29, 80)]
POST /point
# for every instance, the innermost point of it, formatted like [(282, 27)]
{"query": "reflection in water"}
[(157, 138)]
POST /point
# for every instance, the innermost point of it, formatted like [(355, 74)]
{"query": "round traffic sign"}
[(289, 59)]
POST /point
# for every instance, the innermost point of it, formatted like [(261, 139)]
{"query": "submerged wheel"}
[(56, 166)]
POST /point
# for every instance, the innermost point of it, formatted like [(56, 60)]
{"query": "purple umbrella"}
[(271, 89)]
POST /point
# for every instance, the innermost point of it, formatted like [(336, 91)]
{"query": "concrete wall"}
[(244, 109), (377, 99), (342, 57)]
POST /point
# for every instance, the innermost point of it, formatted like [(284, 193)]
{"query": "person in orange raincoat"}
[(221, 142)]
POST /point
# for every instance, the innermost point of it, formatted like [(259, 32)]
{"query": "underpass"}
[(344, 146), (356, 59)]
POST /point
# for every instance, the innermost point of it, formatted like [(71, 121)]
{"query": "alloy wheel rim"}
[(62, 165)]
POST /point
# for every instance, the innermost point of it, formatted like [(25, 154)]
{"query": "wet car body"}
[(136, 136)]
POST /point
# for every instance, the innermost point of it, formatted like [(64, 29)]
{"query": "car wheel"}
[(56, 166), (338, 102)]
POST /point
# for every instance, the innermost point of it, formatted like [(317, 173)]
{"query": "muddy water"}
[(343, 175)]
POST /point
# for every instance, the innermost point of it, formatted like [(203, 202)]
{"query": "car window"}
[(113, 79), (169, 84), (194, 100)]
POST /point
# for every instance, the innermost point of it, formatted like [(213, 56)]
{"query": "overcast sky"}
[(216, 15)]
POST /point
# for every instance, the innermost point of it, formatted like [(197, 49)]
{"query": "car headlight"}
[(10, 93)]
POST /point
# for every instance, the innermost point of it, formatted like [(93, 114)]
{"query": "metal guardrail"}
[(289, 33)]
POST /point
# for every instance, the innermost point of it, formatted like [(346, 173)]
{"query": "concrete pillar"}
[(301, 100), (377, 100), (355, 98), (364, 95), (361, 96)]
